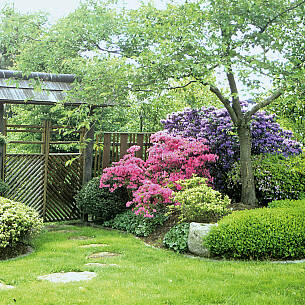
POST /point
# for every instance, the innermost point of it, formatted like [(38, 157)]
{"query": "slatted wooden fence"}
[(112, 146), (45, 181)]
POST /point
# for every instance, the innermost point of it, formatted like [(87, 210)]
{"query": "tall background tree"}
[(127, 56)]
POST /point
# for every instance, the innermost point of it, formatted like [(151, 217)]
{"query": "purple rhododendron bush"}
[(215, 126), (170, 159)]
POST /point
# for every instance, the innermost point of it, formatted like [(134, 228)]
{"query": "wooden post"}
[(45, 150), (88, 157), (2, 146)]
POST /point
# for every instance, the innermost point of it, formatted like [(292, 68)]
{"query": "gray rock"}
[(4, 287), (65, 277), (196, 234), (102, 254)]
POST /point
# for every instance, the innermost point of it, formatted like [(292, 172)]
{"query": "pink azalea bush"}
[(170, 159)]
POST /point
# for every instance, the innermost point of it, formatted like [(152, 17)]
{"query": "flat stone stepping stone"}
[(93, 245), (101, 265), (5, 287), (102, 255), (80, 237), (66, 277), (64, 231)]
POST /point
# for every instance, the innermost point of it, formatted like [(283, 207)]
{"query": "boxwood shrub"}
[(276, 177), (262, 233), (18, 224), (198, 202), (176, 238), (287, 203), (100, 202), (136, 224)]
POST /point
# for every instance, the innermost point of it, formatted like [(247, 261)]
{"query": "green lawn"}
[(145, 275)]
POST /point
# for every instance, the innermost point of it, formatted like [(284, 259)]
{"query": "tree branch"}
[(224, 101), (234, 92), (280, 15), (264, 103)]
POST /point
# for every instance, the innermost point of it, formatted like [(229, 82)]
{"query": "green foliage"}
[(287, 203), (100, 202), (3, 188), (260, 234), (276, 177), (135, 224), (176, 238), (199, 202), (18, 223)]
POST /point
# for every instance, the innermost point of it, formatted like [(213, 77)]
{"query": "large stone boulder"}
[(196, 233)]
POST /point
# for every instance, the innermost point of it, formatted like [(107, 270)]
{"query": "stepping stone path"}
[(65, 277), (80, 237), (5, 287), (101, 265), (102, 255), (94, 245)]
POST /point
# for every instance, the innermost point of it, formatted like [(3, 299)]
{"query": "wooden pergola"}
[(19, 88)]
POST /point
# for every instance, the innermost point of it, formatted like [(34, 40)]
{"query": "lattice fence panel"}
[(62, 184), (24, 174)]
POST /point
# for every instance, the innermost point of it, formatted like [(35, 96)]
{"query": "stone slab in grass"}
[(80, 237), (102, 255), (66, 277), (100, 265), (93, 245), (5, 287)]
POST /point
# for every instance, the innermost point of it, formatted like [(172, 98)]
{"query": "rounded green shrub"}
[(136, 224), (276, 177), (100, 202), (18, 224), (259, 234), (198, 202), (176, 238), (287, 203)]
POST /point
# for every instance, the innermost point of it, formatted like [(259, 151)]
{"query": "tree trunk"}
[(247, 179)]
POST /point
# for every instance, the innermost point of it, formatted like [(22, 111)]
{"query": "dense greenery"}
[(100, 202), (144, 275), (18, 224), (135, 224), (176, 238), (260, 234), (287, 203), (3, 188), (198, 202), (276, 177)]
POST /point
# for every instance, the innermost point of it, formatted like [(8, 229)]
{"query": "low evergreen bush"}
[(136, 224), (18, 224), (287, 203), (100, 202), (276, 177), (262, 233), (198, 202), (176, 238)]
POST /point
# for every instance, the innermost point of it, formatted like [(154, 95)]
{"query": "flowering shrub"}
[(129, 172), (149, 197), (215, 126), (170, 159)]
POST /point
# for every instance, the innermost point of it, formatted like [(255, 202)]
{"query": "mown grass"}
[(145, 275)]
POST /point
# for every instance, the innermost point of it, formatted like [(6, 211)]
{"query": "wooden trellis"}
[(111, 146), (47, 181), (44, 181)]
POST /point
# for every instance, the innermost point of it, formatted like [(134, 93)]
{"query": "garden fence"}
[(48, 180)]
